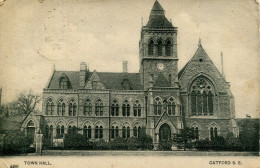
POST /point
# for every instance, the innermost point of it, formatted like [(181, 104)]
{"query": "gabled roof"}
[(73, 77), (200, 53), (157, 17), (161, 81)]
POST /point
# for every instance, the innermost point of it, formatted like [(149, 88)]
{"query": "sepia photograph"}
[(117, 83)]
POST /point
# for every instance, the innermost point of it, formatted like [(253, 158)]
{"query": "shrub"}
[(15, 142), (218, 143), (165, 145), (233, 143), (75, 141), (101, 145), (133, 143), (204, 144), (145, 141), (118, 144)]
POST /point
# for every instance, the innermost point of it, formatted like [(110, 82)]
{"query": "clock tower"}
[(158, 50)]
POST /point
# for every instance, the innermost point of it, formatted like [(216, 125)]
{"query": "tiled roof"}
[(157, 17), (73, 77), (111, 80)]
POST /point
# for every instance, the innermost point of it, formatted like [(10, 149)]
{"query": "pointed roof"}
[(157, 17), (157, 6)]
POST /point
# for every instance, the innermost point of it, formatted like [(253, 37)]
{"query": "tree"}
[(184, 138), (25, 103)]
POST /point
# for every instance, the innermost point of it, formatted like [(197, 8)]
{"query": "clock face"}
[(160, 66)]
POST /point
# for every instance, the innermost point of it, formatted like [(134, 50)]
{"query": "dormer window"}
[(126, 85), (63, 83)]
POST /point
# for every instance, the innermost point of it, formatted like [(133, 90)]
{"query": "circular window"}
[(200, 60)]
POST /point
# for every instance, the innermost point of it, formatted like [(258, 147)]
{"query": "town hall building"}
[(159, 98)]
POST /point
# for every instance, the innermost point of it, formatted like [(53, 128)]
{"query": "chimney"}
[(124, 66), (82, 74)]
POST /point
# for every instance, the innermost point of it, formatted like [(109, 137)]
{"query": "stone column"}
[(38, 149)]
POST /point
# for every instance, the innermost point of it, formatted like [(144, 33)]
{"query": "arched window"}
[(115, 108), (59, 107), (117, 131), (74, 129), (99, 108), (139, 132), (62, 129), (63, 109), (157, 106), (124, 132), (63, 83), (137, 108), (126, 108), (193, 103), (51, 132), (112, 132), (87, 107), (160, 48), (195, 130), (213, 131), (69, 129), (98, 132), (74, 109), (210, 103), (70, 109), (150, 47), (52, 108), (128, 132), (135, 131), (171, 107), (168, 48), (201, 97), (58, 130), (49, 107), (87, 132)]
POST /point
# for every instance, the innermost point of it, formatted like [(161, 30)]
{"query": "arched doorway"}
[(165, 132), (30, 129)]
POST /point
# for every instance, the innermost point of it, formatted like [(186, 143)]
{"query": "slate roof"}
[(111, 80), (73, 77), (157, 17)]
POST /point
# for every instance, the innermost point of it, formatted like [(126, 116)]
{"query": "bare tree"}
[(27, 102)]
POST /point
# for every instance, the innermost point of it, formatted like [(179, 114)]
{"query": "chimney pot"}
[(124, 66)]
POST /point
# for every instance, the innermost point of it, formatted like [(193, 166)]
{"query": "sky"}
[(37, 34)]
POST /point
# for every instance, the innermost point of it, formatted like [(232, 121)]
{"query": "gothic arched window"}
[(168, 48), (171, 106), (195, 129), (201, 97), (213, 133), (126, 108), (160, 46), (72, 108), (115, 108), (99, 108), (137, 108), (87, 107), (150, 47), (128, 132), (157, 106), (124, 132), (49, 107)]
